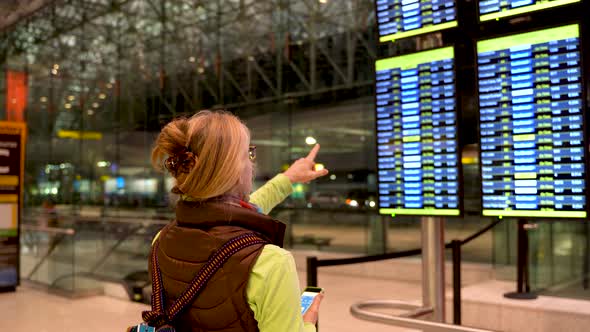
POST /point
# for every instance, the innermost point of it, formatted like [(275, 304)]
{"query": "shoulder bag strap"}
[(159, 316)]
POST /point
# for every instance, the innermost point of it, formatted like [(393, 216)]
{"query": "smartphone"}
[(307, 297)]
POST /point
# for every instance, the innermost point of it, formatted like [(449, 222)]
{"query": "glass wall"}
[(99, 92), (319, 210)]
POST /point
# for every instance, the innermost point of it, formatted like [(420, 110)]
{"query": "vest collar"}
[(205, 215)]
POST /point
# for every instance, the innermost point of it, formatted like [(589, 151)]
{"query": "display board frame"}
[(535, 8), (537, 214), (11, 192), (458, 115), (417, 32)]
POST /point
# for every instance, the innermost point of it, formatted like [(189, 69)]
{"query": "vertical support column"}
[(523, 264), (586, 263), (280, 43), (377, 237), (456, 246), (433, 268), (523, 289), (312, 271), (219, 55), (313, 47), (350, 42)]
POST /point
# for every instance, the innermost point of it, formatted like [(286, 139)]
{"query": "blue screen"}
[(402, 18), (306, 301), (532, 124), (496, 9), (417, 134)]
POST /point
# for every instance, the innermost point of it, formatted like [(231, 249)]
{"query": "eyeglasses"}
[(252, 152)]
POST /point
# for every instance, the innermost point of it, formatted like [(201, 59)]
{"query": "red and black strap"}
[(159, 316)]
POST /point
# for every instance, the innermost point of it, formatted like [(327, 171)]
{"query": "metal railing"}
[(58, 236), (84, 253), (455, 246), (409, 318), (359, 310), (46, 253)]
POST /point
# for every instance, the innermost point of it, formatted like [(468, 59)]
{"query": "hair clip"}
[(182, 162)]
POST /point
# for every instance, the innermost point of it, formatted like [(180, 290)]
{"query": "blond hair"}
[(219, 142)]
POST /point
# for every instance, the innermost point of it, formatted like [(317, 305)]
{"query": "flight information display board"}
[(532, 125), (418, 163), (496, 9), (398, 19)]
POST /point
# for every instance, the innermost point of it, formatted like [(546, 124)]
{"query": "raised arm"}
[(280, 187), (272, 193)]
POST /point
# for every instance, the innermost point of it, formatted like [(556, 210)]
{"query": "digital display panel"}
[(398, 19), (532, 125), (496, 9), (418, 166)]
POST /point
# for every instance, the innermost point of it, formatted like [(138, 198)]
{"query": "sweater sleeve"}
[(273, 292), (272, 193)]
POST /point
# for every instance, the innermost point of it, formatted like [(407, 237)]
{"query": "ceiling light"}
[(352, 202), (109, 86), (310, 140), (68, 106), (70, 98), (201, 70), (54, 71), (191, 59), (95, 105), (102, 96), (56, 66), (90, 112), (43, 99)]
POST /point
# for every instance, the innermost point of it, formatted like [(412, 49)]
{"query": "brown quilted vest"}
[(186, 244)]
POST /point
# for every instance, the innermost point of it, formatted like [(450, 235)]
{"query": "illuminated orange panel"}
[(16, 95)]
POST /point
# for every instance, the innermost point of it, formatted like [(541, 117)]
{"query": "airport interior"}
[(455, 134)]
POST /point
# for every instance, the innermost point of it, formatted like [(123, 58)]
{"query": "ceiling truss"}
[(190, 54)]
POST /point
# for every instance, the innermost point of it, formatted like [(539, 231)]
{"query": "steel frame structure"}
[(191, 54)]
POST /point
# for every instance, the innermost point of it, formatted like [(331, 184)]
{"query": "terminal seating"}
[(313, 240)]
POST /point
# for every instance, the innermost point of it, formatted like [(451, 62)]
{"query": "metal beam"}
[(285, 38)]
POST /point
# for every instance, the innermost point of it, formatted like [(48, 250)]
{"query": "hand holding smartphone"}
[(309, 294)]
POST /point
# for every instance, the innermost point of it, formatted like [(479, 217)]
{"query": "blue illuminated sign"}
[(531, 125), (418, 163), (404, 18)]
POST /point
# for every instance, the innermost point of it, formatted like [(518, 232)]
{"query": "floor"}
[(30, 309)]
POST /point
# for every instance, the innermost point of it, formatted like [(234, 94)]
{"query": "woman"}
[(257, 289)]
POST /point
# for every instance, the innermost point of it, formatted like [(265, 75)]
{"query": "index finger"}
[(313, 153)]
